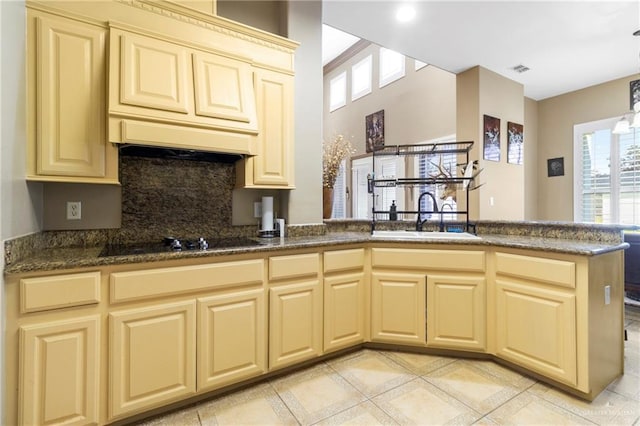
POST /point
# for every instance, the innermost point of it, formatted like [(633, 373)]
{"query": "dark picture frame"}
[(491, 132), (374, 131), (555, 167), (634, 93), (515, 142)]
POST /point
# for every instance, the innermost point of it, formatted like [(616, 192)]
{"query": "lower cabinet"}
[(456, 311), (232, 343), (398, 308), (60, 371), (152, 354)]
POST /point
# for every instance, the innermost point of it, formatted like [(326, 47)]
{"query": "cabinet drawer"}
[(60, 291), (134, 285), (451, 260), (343, 260), (550, 271), (299, 265)]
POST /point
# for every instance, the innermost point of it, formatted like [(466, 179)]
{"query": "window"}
[(338, 91), (429, 166), (361, 78), (391, 66), (607, 170), (419, 64), (339, 194)]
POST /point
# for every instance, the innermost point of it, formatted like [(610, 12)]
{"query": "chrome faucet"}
[(420, 222), (442, 214)]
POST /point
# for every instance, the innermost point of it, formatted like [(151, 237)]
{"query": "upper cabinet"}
[(66, 101)]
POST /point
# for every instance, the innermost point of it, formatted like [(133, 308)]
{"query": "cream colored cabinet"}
[(66, 98), (166, 93), (60, 372), (232, 330), (456, 311), (272, 166), (536, 314), (344, 299), (398, 305), (295, 309), (152, 353)]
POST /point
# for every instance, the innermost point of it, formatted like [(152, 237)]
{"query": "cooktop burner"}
[(172, 244)]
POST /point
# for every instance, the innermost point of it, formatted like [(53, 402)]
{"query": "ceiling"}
[(568, 45)]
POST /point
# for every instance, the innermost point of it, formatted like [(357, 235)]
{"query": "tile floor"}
[(371, 387)]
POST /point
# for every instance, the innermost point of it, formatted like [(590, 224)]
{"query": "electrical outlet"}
[(257, 209), (74, 210), (607, 294)]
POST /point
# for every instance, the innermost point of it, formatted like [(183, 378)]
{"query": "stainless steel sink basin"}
[(424, 235)]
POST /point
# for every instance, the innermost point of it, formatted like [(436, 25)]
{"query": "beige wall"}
[(480, 92), (264, 14), (530, 159), (94, 208), (556, 117), (418, 107)]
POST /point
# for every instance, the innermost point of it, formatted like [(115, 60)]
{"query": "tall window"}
[(391, 66), (361, 78), (607, 170), (340, 194), (338, 91), (432, 166)]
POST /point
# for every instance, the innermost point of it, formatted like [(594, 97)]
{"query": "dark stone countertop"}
[(83, 257)]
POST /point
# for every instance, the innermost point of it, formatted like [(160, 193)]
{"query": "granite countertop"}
[(79, 257)]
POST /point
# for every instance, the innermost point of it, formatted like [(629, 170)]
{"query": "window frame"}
[(342, 80), (365, 64), (395, 74)]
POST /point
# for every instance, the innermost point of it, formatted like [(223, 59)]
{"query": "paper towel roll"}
[(267, 213)]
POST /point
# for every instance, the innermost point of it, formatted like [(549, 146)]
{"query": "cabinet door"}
[(272, 166), (343, 311), (231, 338), (398, 304), (152, 356), (536, 328), (60, 370), (456, 314), (224, 90), (70, 98), (154, 73), (295, 323)]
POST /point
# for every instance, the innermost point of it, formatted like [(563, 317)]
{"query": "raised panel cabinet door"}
[(456, 313), (398, 302), (70, 98), (152, 356), (60, 372), (295, 323), (232, 332), (343, 311), (273, 164), (536, 328), (154, 73), (224, 90)]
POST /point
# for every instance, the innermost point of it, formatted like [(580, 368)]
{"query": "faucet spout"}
[(419, 221)]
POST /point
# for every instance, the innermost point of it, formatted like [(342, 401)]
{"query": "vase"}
[(327, 202)]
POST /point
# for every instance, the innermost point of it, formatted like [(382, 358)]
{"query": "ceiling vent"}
[(520, 68)]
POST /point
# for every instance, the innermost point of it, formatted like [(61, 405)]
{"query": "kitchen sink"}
[(424, 235)]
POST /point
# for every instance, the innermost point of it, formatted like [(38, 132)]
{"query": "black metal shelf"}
[(431, 148)]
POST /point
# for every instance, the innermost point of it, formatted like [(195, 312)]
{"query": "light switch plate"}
[(257, 209), (607, 294)]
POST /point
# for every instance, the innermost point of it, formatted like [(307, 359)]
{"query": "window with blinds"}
[(339, 210), (607, 168), (429, 167)]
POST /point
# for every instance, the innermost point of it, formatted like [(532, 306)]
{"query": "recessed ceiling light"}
[(405, 13)]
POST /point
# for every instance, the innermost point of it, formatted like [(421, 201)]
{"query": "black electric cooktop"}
[(166, 246)]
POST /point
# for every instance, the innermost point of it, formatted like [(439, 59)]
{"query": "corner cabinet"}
[(66, 98)]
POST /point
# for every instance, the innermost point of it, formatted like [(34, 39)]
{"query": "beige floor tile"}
[(419, 363), (420, 403), (528, 409), (627, 385), (603, 410), (475, 386), (364, 414), (371, 372), (258, 405), (185, 417), (631, 313), (316, 393), (631, 361), (513, 377)]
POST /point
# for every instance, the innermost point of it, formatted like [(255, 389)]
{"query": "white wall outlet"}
[(74, 210), (491, 201), (257, 209), (607, 294)]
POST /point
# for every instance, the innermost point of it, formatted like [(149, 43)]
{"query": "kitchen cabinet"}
[(272, 166), (536, 314), (344, 298), (66, 98), (60, 371), (295, 309), (171, 93)]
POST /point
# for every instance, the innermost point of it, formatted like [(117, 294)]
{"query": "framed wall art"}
[(374, 131), (634, 93), (491, 132), (515, 141), (555, 167)]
